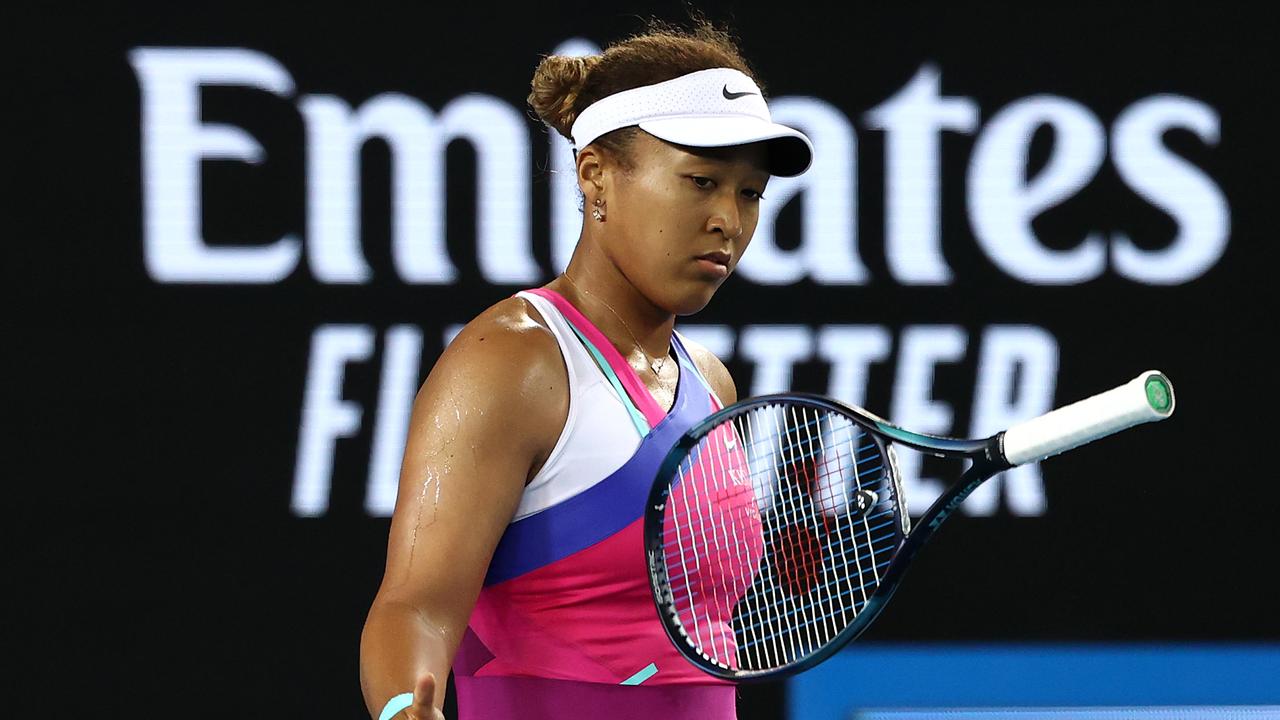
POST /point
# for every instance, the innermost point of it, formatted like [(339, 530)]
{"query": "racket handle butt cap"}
[(1146, 398)]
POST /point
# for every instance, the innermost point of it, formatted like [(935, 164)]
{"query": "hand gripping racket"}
[(777, 529)]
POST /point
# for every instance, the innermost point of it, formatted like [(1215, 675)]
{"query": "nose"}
[(726, 219)]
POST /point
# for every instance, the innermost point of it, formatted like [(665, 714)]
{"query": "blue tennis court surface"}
[(1195, 712), (1052, 681)]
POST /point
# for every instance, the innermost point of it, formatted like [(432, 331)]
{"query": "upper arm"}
[(713, 370), (486, 412)]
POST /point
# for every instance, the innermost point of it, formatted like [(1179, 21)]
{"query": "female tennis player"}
[(515, 554)]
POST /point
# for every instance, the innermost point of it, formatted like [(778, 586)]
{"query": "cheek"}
[(750, 221), (656, 219)]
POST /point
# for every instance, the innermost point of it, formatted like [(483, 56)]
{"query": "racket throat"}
[(981, 471)]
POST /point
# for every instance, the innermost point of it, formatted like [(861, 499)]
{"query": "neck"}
[(597, 286)]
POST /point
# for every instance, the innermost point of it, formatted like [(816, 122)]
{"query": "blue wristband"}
[(395, 705)]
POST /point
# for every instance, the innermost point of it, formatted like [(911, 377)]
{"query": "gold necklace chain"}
[(655, 364)]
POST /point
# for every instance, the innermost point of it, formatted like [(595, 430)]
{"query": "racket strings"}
[(814, 608), (778, 528), (803, 607), (866, 479), (717, 524)]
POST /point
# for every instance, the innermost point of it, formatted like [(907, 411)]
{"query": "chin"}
[(691, 302)]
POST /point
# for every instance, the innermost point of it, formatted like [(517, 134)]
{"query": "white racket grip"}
[(1146, 398)]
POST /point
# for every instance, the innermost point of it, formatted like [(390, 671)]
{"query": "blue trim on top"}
[(604, 509), (637, 418), (649, 671)]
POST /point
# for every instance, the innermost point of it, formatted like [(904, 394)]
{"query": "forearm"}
[(397, 646)]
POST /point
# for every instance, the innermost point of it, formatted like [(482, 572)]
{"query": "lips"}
[(719, 257)]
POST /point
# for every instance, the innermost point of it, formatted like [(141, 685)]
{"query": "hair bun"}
[(556, 87)]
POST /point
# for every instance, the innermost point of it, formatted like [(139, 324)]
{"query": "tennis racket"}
[(777, 529)]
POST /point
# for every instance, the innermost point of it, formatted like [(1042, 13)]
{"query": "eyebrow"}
[(755, 170)]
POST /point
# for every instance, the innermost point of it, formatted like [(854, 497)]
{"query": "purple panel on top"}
[(606, 507)]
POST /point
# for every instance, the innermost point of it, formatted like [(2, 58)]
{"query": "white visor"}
[(707, 108)]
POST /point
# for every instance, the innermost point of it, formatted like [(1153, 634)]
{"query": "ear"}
[(592, 168)]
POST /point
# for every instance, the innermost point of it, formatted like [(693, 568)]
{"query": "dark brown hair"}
[(564, 86)]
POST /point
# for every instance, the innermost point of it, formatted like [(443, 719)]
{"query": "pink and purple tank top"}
[(565, 624)]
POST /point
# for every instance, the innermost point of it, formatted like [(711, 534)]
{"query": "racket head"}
[(768, 530)]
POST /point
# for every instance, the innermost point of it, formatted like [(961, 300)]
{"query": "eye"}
[(704, 183), (753, 194)]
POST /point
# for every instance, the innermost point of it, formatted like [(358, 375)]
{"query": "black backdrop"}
[(156, 422)]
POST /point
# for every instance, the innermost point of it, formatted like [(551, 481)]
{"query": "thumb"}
[(424, 695)]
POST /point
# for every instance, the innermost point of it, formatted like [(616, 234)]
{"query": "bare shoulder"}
[(713, 370), (506, 367), (508, 338)]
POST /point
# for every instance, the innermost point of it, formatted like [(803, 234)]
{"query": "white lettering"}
[(850, 350), (913, 121), (1002, 203), (1173, 185), (325, 415), (334, 136), (775, 349), (500, 138), (401, 360), (174, 142), (418, 140)]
